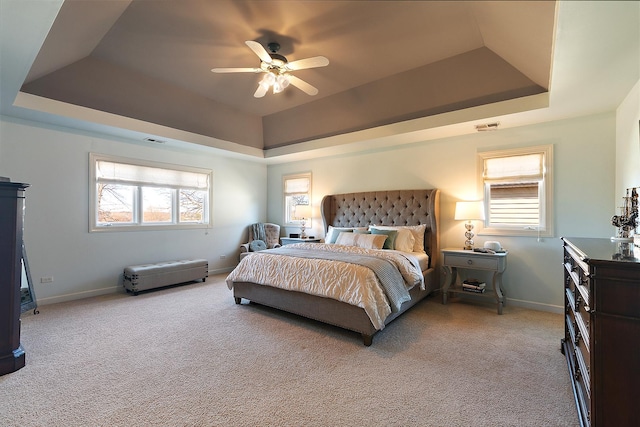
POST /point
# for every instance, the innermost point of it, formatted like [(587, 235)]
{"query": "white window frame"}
[(288, 220), (545, 228), (138, 224)]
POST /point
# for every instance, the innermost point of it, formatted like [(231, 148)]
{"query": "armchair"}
[(271, 237)]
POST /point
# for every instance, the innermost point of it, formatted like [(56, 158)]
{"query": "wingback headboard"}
[(391, 207)]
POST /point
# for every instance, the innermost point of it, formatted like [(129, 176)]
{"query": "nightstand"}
[(290, 240), (470, 260)]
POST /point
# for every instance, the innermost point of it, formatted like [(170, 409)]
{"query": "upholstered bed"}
[(344, 214)]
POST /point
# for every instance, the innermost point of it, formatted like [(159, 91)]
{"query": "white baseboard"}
[(105, 291), (536, 306), (78, 295)]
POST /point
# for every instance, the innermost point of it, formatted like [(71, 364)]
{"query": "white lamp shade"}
[(469, 211), (303, 211)]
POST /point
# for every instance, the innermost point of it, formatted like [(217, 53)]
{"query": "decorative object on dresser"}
[(628, 221), (469, 211), (12, 355), (476, 260), (408, 276), (602, 330)]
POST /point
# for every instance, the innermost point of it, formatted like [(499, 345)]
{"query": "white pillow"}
[(368, 241), (404, 240), (333, 232), (416, 230)]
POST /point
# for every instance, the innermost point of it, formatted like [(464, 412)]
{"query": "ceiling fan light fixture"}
[(267, 80), (276, 69), (281, 83)]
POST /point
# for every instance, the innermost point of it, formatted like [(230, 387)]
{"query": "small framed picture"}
[(294, 236)]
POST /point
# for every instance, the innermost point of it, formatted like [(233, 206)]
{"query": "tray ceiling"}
[(390, 62)]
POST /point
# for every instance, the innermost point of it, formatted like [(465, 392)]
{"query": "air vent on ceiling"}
[(154, 140), (487, 127)]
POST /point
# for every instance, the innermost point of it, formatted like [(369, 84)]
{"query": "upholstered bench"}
[(150, 276)]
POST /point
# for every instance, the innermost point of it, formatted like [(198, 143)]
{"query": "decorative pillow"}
[(359, 231), (257, 245), (368, 241), (404, 240), (390, 243), (417, 230), (332, 232)]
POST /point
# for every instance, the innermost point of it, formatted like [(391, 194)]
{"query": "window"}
[(297, 192), (129, 194), (518, 189)]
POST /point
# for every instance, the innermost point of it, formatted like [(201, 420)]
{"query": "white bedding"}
[(421, 258), (346, 282)]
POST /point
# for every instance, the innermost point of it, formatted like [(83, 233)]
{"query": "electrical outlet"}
[(48, 279), (223, 256)]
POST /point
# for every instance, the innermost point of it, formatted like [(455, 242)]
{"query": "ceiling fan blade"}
[(302, 85), (261, 91), (236, 70), (301, 64), (259, 50)]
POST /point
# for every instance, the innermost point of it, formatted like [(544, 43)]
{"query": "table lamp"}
[(469, 211), (303, 213)]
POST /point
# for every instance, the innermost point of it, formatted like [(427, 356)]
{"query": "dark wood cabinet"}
[(602, 329), (12, 356)]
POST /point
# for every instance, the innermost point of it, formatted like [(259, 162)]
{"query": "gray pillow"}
[(257, 245)]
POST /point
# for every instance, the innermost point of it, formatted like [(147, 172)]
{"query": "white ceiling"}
[(588, 67)]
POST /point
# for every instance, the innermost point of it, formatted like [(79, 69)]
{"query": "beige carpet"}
[(188, 356)]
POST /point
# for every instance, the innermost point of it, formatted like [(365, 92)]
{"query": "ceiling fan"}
[(277, 69)]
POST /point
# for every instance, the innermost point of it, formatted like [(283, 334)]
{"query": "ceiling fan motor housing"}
[(273, 47)]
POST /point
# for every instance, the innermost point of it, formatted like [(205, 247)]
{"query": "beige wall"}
[(55, 161), (628, 144), (584, 158)]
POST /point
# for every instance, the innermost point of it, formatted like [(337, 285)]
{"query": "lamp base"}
[(468, 244), (303, 235)]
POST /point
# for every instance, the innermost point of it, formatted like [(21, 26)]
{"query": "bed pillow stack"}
[(361, 240), (410, 238), (333, 232)]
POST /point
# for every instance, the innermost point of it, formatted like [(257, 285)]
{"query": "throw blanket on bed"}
[(387, 273), (343, 281)]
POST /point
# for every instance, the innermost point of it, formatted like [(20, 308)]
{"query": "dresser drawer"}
[(583, 400), (477, 262), (582, 372), (582, 357), (583, 318), (571, 330)]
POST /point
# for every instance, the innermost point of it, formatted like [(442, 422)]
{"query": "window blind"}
[(296, 185), (514, 204), (147, 175), (528, 167)]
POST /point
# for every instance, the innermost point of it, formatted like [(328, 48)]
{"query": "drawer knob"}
[(469, 262)]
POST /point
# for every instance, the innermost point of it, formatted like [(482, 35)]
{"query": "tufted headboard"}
[(393, 207)]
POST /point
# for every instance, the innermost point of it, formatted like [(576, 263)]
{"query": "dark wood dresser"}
[(12, 356), (602, 329)]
